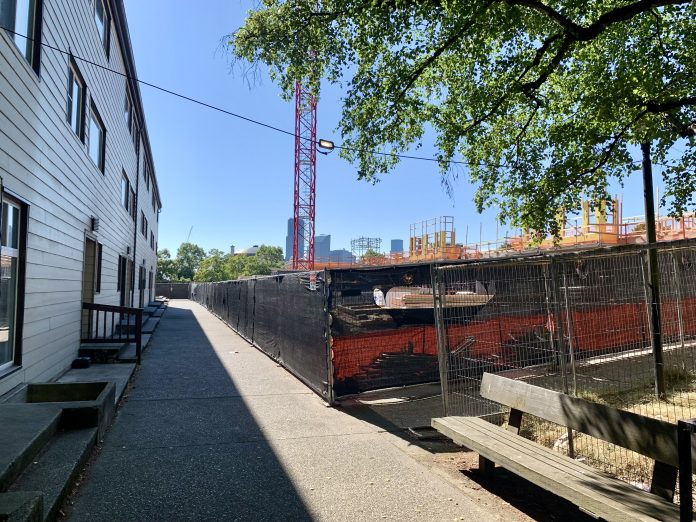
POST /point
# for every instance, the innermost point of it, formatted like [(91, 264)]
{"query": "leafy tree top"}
[(543, 100)]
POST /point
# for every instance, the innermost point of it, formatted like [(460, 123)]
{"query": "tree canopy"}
[(192, 263), (542, 100)]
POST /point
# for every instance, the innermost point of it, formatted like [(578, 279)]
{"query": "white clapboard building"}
[(80, 202)]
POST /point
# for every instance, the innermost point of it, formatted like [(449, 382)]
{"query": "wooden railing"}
[(106, 324)]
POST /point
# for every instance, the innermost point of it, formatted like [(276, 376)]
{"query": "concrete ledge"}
[(24, 430), (83, 404), (54, 471), (21, 506)]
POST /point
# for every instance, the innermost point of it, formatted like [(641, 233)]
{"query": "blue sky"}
[(233, 181)]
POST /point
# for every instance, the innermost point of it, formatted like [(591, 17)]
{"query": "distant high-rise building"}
[(341, 256), (397, 245), (289, 237), (322, 247)]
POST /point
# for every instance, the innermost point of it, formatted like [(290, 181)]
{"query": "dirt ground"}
[(510, 497)]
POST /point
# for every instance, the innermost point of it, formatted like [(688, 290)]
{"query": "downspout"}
[(135, 228)]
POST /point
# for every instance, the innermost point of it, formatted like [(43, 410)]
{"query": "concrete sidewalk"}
[(215, 430)]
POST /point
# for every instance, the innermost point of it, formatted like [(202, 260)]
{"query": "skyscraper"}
[(397, 245), (322, 247), (289, 237)]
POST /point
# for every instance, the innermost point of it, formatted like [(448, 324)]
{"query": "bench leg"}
[(487, 467), (664, 480)]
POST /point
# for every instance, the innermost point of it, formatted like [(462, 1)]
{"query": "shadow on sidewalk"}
[(184, 445)]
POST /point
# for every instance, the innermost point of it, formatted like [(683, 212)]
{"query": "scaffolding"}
[(433, 239), (362, 245)]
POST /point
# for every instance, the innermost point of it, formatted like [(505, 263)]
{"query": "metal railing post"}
[(138, 334)]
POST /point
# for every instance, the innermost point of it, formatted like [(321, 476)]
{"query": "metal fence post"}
[(569, 322), (651, 277), (442, 353), (554, 300), (678, 289)]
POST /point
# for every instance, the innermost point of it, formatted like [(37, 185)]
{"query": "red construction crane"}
[(305, 178)]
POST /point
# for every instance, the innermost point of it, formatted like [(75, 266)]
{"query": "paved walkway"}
[(215, 430)]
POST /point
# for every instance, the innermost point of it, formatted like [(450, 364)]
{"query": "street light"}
[(326, 144)]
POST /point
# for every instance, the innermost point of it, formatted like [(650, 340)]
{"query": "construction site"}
[(411, 334)]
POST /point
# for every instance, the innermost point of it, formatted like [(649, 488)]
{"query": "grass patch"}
[(634, 468)]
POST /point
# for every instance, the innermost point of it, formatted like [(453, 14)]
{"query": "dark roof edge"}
[(118, 12)]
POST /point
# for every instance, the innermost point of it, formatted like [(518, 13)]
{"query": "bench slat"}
[(595, 491), (650, 437)]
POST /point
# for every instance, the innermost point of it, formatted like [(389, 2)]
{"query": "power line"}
[(214, 107), (246, 118)]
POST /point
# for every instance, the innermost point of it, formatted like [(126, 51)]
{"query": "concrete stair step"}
[(150, 325), (54, 470), (127, 355), (21, 506), (24, 430), (101, 351)]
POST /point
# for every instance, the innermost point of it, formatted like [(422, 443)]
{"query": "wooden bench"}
[(593, 491)]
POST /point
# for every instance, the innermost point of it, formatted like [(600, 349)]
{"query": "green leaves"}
[(544, 101)]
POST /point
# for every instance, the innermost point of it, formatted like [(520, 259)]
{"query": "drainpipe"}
[(135, 228)]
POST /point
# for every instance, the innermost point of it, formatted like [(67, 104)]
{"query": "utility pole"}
[(653, 271)]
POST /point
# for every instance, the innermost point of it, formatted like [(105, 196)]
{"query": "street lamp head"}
[(326, 144)]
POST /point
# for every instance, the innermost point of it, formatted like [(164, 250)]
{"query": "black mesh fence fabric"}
[(173, 290), (281, 315), (376, 343)]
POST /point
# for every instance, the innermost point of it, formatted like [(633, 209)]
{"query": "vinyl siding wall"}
[(43, 162)]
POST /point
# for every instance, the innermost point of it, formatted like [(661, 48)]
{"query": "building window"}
[(152, 240), (125, 190), (96, 138), (102, 20), (23, 19), (128, 112), (133, 205), (154, 203), (76, 101), (143, 223), (146, 175), (12, 281), (97, 284)]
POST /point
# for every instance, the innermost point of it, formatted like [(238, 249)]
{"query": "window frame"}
[(106, 25), (128, 111), (134, 206), (35, 20), (101, 161), (125, 191), (15, 363), (76, 78), (143, 224)]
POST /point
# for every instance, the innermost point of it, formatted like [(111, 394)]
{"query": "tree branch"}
[(437, 53), (670, 104)]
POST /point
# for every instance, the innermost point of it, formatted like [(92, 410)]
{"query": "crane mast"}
[(305, 178)]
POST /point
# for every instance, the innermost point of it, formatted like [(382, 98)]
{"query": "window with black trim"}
[(96, 137), (76, 101), (22, 19), (143, 224), (12, 273), (101, 18), (133, 205), (128, 112), (125, 191), (152, 240)]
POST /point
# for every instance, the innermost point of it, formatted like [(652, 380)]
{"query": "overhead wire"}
[(242, 117)]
